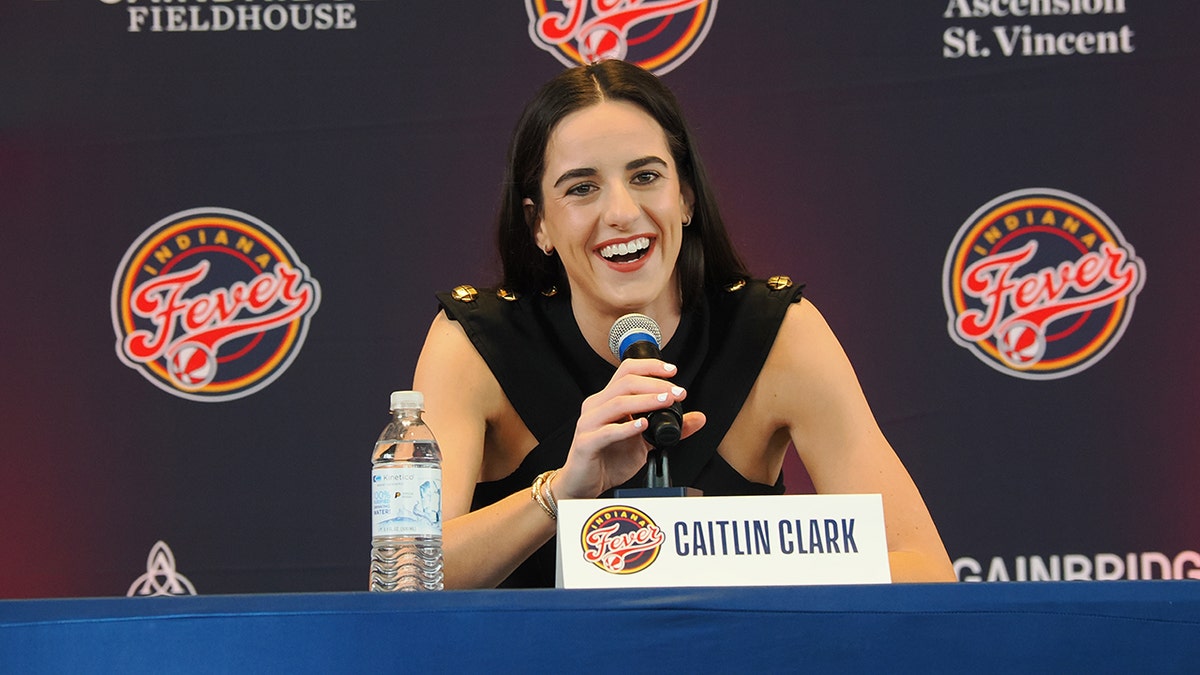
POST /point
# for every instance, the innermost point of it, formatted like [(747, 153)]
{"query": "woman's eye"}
[(645, 177), (581, 190)]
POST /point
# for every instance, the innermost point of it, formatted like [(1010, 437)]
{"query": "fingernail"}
[(669, 367), (662, 397), (676, 391), (639, 423)]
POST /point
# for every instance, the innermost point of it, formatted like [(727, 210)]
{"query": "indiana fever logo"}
[(621, 540), (657, 35), (1040, 284), (211, 305)]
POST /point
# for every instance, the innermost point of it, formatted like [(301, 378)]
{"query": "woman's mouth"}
[(625, 252)]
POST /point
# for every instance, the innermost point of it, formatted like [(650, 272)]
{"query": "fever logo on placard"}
[(657, 35), (621, 540), (1040, 284), (211, 304)]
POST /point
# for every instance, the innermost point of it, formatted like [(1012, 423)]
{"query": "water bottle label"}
[(406, 501)]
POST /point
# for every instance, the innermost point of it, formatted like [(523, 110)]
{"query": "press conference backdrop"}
[(224, 223)]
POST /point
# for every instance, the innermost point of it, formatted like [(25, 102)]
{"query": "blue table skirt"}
[(1135, 626)]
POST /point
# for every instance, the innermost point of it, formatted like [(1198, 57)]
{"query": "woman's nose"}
[(621, 207)]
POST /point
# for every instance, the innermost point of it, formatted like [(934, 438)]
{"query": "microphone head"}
[(632, 328)]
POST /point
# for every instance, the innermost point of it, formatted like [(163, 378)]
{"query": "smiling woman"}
[(608, 211), (597, 204)]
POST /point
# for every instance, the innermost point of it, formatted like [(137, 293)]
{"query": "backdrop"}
[(224, 223)]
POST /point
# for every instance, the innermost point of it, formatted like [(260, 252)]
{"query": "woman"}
[(608, 211)]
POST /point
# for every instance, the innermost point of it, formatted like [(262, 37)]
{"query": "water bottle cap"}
[(408, 400)]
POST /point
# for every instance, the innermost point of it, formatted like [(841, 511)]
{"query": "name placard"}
[(784, 540)]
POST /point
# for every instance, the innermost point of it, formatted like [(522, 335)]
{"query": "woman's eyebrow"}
[(581, 172), (648, 159)]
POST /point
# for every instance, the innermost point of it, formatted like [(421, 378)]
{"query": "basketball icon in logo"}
[(1022, 344), (192, 366)]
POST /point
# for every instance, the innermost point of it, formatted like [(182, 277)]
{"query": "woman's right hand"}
[(608, 448)]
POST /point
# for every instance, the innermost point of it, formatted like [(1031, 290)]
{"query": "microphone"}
[(637, 336)]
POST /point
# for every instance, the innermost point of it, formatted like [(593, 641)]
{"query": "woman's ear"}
[(531, 212), (534, 220), (687, 201)]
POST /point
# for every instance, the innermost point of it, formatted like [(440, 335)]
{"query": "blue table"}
[(1135, 626)]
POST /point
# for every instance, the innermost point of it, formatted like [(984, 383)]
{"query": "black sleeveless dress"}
[(546, 368)]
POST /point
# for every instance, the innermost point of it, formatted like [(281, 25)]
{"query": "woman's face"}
[(613, 207)]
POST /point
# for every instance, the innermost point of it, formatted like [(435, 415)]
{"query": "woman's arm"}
[(842, 447), (463, 400), (463, 405)]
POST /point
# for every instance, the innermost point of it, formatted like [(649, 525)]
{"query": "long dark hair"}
[(707, 258)]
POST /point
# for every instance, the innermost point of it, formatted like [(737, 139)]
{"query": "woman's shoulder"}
[(755, 293), (807, 372), (805, 339), (750, 312), (467, 295), (450, 361), (473, 324), (465, 299), (493, 308), (500, 322), (448, 347)]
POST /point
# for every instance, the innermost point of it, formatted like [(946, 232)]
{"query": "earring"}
[(549, 250), (687, 221)]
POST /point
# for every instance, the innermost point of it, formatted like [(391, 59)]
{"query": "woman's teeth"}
[(630, 250)]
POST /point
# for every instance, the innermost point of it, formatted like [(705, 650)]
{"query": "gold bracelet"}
[(536, 493), (538, 497), (548, 492)]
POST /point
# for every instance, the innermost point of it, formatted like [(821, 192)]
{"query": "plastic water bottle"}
[(406, 502)]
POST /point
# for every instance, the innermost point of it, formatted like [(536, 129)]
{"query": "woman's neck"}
[(595, 324)]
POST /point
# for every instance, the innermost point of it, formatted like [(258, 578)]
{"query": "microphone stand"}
[(658, 480), (658, 472)]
